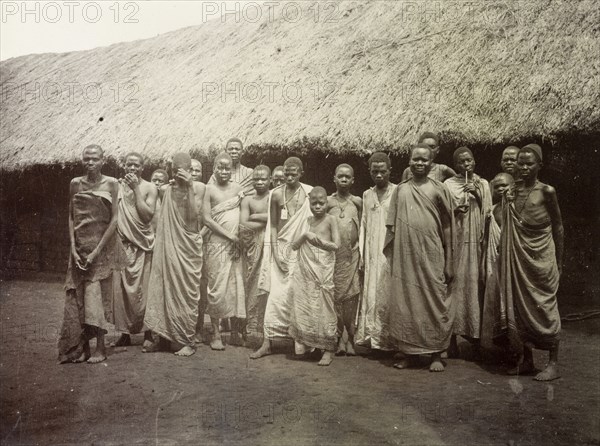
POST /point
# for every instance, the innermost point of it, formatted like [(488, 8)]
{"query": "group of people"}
[(405, 268)]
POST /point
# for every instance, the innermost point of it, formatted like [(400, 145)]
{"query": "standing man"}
[(225, 296), (137, 201), (196, 170), (346, 209), (372, 326), (174, 288), (531, 253), (439, 172), (240, 174), (277, 179), (508, 163), (254, 212), (419, 244), (94, 263), (472, 203), (288, 218)]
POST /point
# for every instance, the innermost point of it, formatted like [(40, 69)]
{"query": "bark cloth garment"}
[(466, 289), (421, 313), (372, 329), (277, 311), (313, 320), (174, 288), (253, 242), (89, 294), (137, 237), (223, 264), (529, 281)]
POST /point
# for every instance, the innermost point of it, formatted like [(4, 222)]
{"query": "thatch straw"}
[(494, 73)]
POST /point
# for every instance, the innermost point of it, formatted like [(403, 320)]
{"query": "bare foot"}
[(549, 373), (217, 344), (85, 354), (326, 359), (350, 349), (405, 363), (198, 338), (436, 363), (444, 354), (341, 348), (151, 347), (264, 350), (123, 341), (523, 368), (185, 351), (96, 358), (399, 356)]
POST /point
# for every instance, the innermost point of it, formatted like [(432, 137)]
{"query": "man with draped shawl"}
[(95, 260), (137, 201), (419, 245), (289, 210), (472, 203), (253, 222), (225, 291), (531, 252), (373, 306), (174, 288)]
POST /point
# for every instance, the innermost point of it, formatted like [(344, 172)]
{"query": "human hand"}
[(184, 176), (79, 263), (448, 274), (132, 181), (462, 208)]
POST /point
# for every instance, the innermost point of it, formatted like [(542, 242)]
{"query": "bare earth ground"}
[(226, 398)]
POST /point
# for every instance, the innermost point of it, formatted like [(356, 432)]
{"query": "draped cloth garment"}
[(174, 288)]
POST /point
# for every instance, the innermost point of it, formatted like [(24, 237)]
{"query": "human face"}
[(435, 149), (499, 186), (223, 171), (292, 175), (508, 163), (277, 179), (318, 204), (93, 160), (380, 173), (159, 179), (465, 163), (343, 179), (260, 180), (234, 149), (528, 164), (133, 164), (196, 170), (420, 162)]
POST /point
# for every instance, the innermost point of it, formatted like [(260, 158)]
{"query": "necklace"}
[(527, 197), (342, 209), (296, 195)]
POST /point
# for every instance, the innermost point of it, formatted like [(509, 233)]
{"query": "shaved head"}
[(294, 161), (222, 156), (93, 147), (344, 166), (263, 168), (503, 176), (182, 160), (380, 157), (317, 191)]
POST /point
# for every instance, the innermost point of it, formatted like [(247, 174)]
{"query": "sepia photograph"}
[(300, 222)]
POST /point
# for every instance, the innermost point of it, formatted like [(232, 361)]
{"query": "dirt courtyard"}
[(226, 398)]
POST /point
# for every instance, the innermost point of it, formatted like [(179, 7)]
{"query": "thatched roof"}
[(371, 75)]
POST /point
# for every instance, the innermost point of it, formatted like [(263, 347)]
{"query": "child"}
[(313, 321)]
